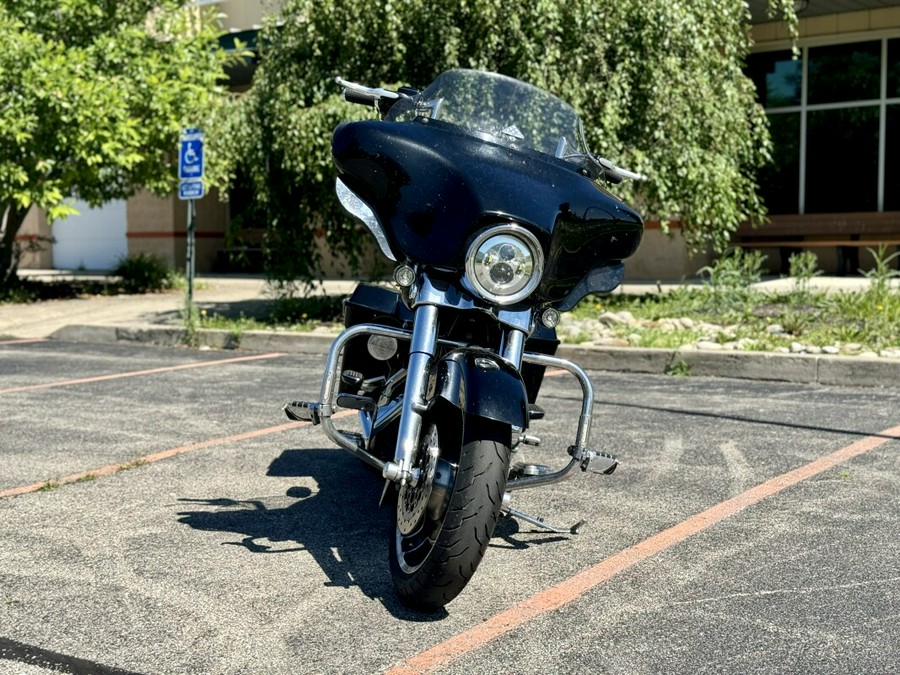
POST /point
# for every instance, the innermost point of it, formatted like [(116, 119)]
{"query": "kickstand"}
[(387, 484), (539, 522)]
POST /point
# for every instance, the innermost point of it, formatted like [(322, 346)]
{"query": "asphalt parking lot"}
[(159, 515)]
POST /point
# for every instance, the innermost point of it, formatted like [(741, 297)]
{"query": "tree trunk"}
[(11, 221)]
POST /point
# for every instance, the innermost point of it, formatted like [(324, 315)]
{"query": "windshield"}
[(506, 110)]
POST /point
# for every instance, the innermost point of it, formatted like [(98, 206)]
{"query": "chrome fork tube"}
[(513, 347), (421, 353)]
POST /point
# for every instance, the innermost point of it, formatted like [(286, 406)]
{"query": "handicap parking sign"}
[(190, 157)]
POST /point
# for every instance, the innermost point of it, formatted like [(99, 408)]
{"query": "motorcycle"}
[(483, 192)]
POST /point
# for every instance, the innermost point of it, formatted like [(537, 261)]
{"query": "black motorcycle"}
[(482, 190)]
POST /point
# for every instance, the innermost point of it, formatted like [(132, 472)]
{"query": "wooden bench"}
[(847, 233)]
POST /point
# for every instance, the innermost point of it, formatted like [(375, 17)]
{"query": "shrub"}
[(144, 273)]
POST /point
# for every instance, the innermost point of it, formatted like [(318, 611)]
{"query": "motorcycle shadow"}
[(339, 524)]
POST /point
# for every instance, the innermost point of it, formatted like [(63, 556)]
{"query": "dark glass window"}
[(893, 69), (779, 182), (850, 72), (777, 77), (842, 160), (892, 159)]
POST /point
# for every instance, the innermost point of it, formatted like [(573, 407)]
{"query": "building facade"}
[(834, 115)]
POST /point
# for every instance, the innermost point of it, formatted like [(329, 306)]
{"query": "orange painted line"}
[(109, 469), (21, 341), (575, 587), (148, 459), (137, 373)]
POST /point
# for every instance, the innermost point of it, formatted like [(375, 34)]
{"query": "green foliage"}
[(734, 271), (881, 274), (863, 320), (192, 319), (730, 279), (144, 273), (880, 304), (328, 308), (802, 268), (658, 82), (679, 368), (93, 95), (291, 313)]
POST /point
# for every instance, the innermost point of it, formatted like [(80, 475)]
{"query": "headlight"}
[(504, 264)]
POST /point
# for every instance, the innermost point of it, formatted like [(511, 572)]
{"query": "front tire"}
[(435, 550)]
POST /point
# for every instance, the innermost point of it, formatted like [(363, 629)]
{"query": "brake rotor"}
[(413, 499)]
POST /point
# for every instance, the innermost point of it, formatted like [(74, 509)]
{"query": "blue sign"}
[(190, 189), (190, 157)]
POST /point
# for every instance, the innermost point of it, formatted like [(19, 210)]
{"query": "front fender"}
[(479, 382)]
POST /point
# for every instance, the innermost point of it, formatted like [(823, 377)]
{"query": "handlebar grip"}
[(371, 100), (613, 177)]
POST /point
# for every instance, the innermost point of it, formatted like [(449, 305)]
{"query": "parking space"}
[(261, 549)]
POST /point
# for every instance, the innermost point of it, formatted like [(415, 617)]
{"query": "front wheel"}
[(445, 522)]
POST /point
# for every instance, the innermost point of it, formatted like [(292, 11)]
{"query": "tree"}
[(659, 84), (93, 94)]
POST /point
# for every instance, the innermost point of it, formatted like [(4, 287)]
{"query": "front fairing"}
[(433, 185)]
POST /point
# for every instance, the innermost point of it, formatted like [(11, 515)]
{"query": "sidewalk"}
[(156, 319)]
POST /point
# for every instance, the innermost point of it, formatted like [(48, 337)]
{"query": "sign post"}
[(190, 188)]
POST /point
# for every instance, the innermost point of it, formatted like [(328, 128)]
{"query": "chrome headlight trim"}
[(523, 267), (357, 207)]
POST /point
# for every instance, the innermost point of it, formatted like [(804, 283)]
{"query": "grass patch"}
[(857, 321), (729, 311), (293, 314)]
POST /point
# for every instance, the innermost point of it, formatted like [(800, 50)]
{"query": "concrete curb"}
[(170, 336), (797, 368)]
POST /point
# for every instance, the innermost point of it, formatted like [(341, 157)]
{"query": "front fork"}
[(421, 354)]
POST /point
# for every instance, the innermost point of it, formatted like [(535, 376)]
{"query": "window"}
[(780, 181), (834, 116), (844, 73), (777, 77), (842, 160), (892, 159)]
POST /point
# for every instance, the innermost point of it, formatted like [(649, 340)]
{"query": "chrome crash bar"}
[(372, 421)]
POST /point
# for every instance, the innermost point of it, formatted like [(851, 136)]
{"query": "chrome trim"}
[(421, 352), (470, 281), (389, 412), (514, 347), (582, 433), (428, 294), (357, 207), (329, 388)]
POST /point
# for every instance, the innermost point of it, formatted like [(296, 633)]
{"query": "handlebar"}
[(353, 88), (375, 97), (616, 174), (361, 97)]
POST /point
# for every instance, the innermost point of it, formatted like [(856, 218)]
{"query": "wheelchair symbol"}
[(190, 163)]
